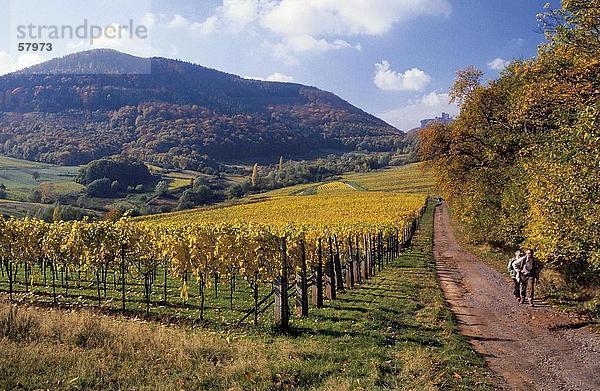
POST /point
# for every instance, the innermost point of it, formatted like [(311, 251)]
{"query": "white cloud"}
[(427, 106), (149, 20), (302, 43), (239, 13), (277, 76), (10, 64), (178, 21), (321, 25), (498, 64), (344, 17), (389, 80), (208, 26)]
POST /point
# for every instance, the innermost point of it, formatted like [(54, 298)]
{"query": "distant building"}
[(444, 119)]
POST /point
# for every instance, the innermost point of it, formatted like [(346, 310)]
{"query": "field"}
[(411, 178), (395, 332), (388, 329), (338, 206), (20, 177)]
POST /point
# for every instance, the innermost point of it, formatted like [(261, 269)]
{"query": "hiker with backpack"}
[(518, 258)]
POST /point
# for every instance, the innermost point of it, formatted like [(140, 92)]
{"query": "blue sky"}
[(393, 58)]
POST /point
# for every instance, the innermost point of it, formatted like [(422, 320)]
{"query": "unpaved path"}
[(531, 348)]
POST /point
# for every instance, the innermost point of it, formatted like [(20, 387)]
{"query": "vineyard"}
[(254, 256)]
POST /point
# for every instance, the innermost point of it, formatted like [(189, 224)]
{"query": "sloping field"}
[(411, 178), (366, 208)]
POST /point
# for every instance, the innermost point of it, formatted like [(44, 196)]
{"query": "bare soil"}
[(531, 348)]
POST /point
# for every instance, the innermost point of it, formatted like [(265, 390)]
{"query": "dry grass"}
[(56, 349)]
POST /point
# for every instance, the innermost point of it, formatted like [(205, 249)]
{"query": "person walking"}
[(514, 274), (527, 275)]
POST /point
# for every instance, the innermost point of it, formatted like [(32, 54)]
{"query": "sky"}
[(395, 59)]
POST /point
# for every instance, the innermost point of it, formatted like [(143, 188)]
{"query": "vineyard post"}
[(255, 297), (123, 277), (370, 266), (66, 269), (201, 288), (380, 251), (317, 288), (26, 276), (165, 282), (365, 263), (53, 267), (9, 273), (350, 263), (231, 289), (339, 279), (357, 263), (98, 286), (216, 285), (281, 307), (104, 277), (44, 268), (329, 270), (302, 284)]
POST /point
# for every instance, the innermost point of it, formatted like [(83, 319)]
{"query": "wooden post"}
[(123, 278), (330, 290), (281, 308), (357, 261), (350, 263), (339, 277), (317, 288), (365, 263), (302, 284)]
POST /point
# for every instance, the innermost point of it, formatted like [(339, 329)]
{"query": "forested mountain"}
[(89, 105)]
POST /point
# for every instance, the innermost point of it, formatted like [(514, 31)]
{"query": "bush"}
[(235, 191), (161, 188), (190, 198), (126, 172), (115, 186), (99, 188)]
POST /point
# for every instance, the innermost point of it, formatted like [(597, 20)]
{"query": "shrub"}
[(99, 187)]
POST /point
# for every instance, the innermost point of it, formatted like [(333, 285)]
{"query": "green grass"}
[(21, 176), (394, 332)]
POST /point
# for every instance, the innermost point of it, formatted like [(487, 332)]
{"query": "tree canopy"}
[(521, 162)]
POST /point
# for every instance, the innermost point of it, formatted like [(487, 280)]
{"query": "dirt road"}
[(531, 348)]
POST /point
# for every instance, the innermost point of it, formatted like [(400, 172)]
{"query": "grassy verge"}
[(395, 332), (583, 301)]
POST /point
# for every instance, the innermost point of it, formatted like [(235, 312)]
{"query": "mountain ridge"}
[(180, 114)]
